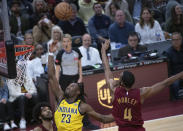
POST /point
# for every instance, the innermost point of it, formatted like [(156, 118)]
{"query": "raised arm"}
[(86, 108), (108, 74), (53, 82), (146, 92)]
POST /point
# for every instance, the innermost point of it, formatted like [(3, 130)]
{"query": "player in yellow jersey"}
[(69, 114)]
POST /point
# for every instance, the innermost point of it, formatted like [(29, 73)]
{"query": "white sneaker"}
[(13, 125), (22, 124), (6, 127)]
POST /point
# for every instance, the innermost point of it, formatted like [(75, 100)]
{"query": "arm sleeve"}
[(58, 58), (92, 29), (79, 53), (158, 29), (112, 34)]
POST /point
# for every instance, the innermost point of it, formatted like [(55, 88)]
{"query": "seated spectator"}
[(175, 61), (86, 10), (5, 108), (34, 67), (56, 36), (39, 7), (18, 23), (25, 7), (42, 31), (56, 40), (175, 22), (28, 39), (170, 4), (120, 29), (68, 64), (132, 47), (148, 28), (75, 26), (90, 55), (123, 5), (98, 25), (22, 97), (113, 7)]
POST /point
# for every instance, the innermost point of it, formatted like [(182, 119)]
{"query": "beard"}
[(47, 118)]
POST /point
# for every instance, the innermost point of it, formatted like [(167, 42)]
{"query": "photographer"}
[(42, 31)]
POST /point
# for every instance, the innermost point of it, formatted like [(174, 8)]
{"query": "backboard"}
[(7, 53)]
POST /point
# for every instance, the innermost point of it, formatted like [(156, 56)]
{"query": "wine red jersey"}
[(127, 109)]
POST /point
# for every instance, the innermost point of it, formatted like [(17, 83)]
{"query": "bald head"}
[(86, 40), (120, 17)]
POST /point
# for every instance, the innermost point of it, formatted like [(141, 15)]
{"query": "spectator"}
[(113, 7), (18, 23), (175, 22), (119, 30), (34, 67), (75, 26), (56, 35), (42, 31), (172, 3), (28, 39), (90, 55), (23, 97), (148, 28), (123, 5), (39, 7), (86, 10), (5, 108), (98, 25), (25, 6), (56, 40), (132, 47), (175, 55), (68, 61)]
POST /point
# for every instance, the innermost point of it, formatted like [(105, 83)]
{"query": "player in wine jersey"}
[(126, 99), (71, 109)]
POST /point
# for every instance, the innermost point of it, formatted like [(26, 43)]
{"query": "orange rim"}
[(17, 53)]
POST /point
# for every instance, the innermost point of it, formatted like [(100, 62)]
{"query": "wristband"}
[(51, 54)]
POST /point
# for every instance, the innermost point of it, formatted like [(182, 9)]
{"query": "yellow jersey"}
[(68, 117)]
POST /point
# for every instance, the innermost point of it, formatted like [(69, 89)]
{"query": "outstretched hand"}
[(53, 47), (105, 46)]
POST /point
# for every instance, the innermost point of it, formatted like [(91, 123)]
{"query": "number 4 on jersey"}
[(128, 114)]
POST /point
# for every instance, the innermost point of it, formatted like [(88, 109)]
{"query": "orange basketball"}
[(63, 11)]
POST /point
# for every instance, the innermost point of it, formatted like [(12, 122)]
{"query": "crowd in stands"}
[(129, 25)]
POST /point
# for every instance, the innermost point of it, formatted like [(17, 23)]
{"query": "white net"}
[(21, 64)]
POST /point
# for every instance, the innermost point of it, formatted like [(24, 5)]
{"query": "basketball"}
[(63, 11)]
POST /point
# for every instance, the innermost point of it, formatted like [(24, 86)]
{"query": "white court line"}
[(115, 127)]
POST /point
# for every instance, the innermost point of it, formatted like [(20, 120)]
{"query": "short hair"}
[(73, 6), (28, 33), (127, 79), (177, 33), (67, 36), (37, 110), (96, 3), (82, 92)]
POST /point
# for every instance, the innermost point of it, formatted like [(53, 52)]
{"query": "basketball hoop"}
[(22, 54)]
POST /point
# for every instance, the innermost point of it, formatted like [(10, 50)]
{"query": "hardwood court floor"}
[(172, 123)]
